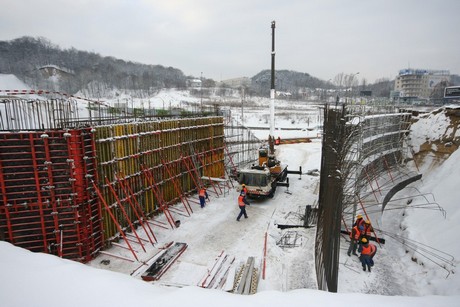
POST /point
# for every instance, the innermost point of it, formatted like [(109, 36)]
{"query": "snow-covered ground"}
[(34, 279)]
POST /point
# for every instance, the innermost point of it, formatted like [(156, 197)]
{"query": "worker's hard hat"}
[(359, 216), (367, 222), (364, 240), (243, 185)]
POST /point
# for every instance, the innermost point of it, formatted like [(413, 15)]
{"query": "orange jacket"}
[(202, 192), (367, 229), (354, 234)]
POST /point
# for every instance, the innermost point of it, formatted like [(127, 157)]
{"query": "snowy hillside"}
[(440, 186)]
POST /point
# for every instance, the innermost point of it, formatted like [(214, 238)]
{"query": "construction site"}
[(116, 192), (72, 186)]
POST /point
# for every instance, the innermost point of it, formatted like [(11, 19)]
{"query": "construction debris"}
[(313, 172), (290, 239), (164, 261), (216, 277)]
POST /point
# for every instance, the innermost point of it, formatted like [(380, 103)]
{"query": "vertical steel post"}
[(5, 204), (38, 191), (272, 88), (58, 231)]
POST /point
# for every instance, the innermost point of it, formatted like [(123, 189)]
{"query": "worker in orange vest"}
[(244, 190), (367, 254), (203, 195), (359, 220), (242, 202), (373, 252), (367, 230), (355, 234)]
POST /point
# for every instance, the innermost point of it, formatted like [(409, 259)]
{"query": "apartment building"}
[(419, 82)]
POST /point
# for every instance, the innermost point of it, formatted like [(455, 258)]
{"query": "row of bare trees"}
[(26, 57)]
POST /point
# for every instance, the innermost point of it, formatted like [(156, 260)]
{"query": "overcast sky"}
[(227, 39)]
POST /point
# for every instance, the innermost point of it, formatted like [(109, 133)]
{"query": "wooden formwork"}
[(57, 187), (154, 160)]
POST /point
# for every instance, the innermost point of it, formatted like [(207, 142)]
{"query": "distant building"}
[(194, 83), (54, 70), (419, 82), (365, 93), (237, 82)]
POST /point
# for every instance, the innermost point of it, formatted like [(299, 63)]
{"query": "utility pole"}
[(272, 88), (352, 82), (201, 91), (242, 102)]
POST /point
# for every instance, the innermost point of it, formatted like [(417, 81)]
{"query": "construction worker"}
[(373, 252), (244, 190), (355, 234), (367, 230), (203, 195), (367, 253), (359, 221), (242, 202)]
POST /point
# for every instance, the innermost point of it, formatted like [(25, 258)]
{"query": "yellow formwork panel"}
[(124, 150)]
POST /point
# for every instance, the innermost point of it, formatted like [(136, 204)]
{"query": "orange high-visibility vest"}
[(202, 192), (241, 201), (373, 249), (366, 250), (357, 233)]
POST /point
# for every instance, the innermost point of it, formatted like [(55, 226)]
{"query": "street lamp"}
[(352, 81), (353, 77)]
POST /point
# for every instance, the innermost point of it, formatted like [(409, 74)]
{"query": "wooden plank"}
[(248, 281), (221, 277), (205, 281), (240, 288)]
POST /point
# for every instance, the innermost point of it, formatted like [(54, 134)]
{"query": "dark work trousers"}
[(353, 246), (242, 212), (202, 201), (366, 261)]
